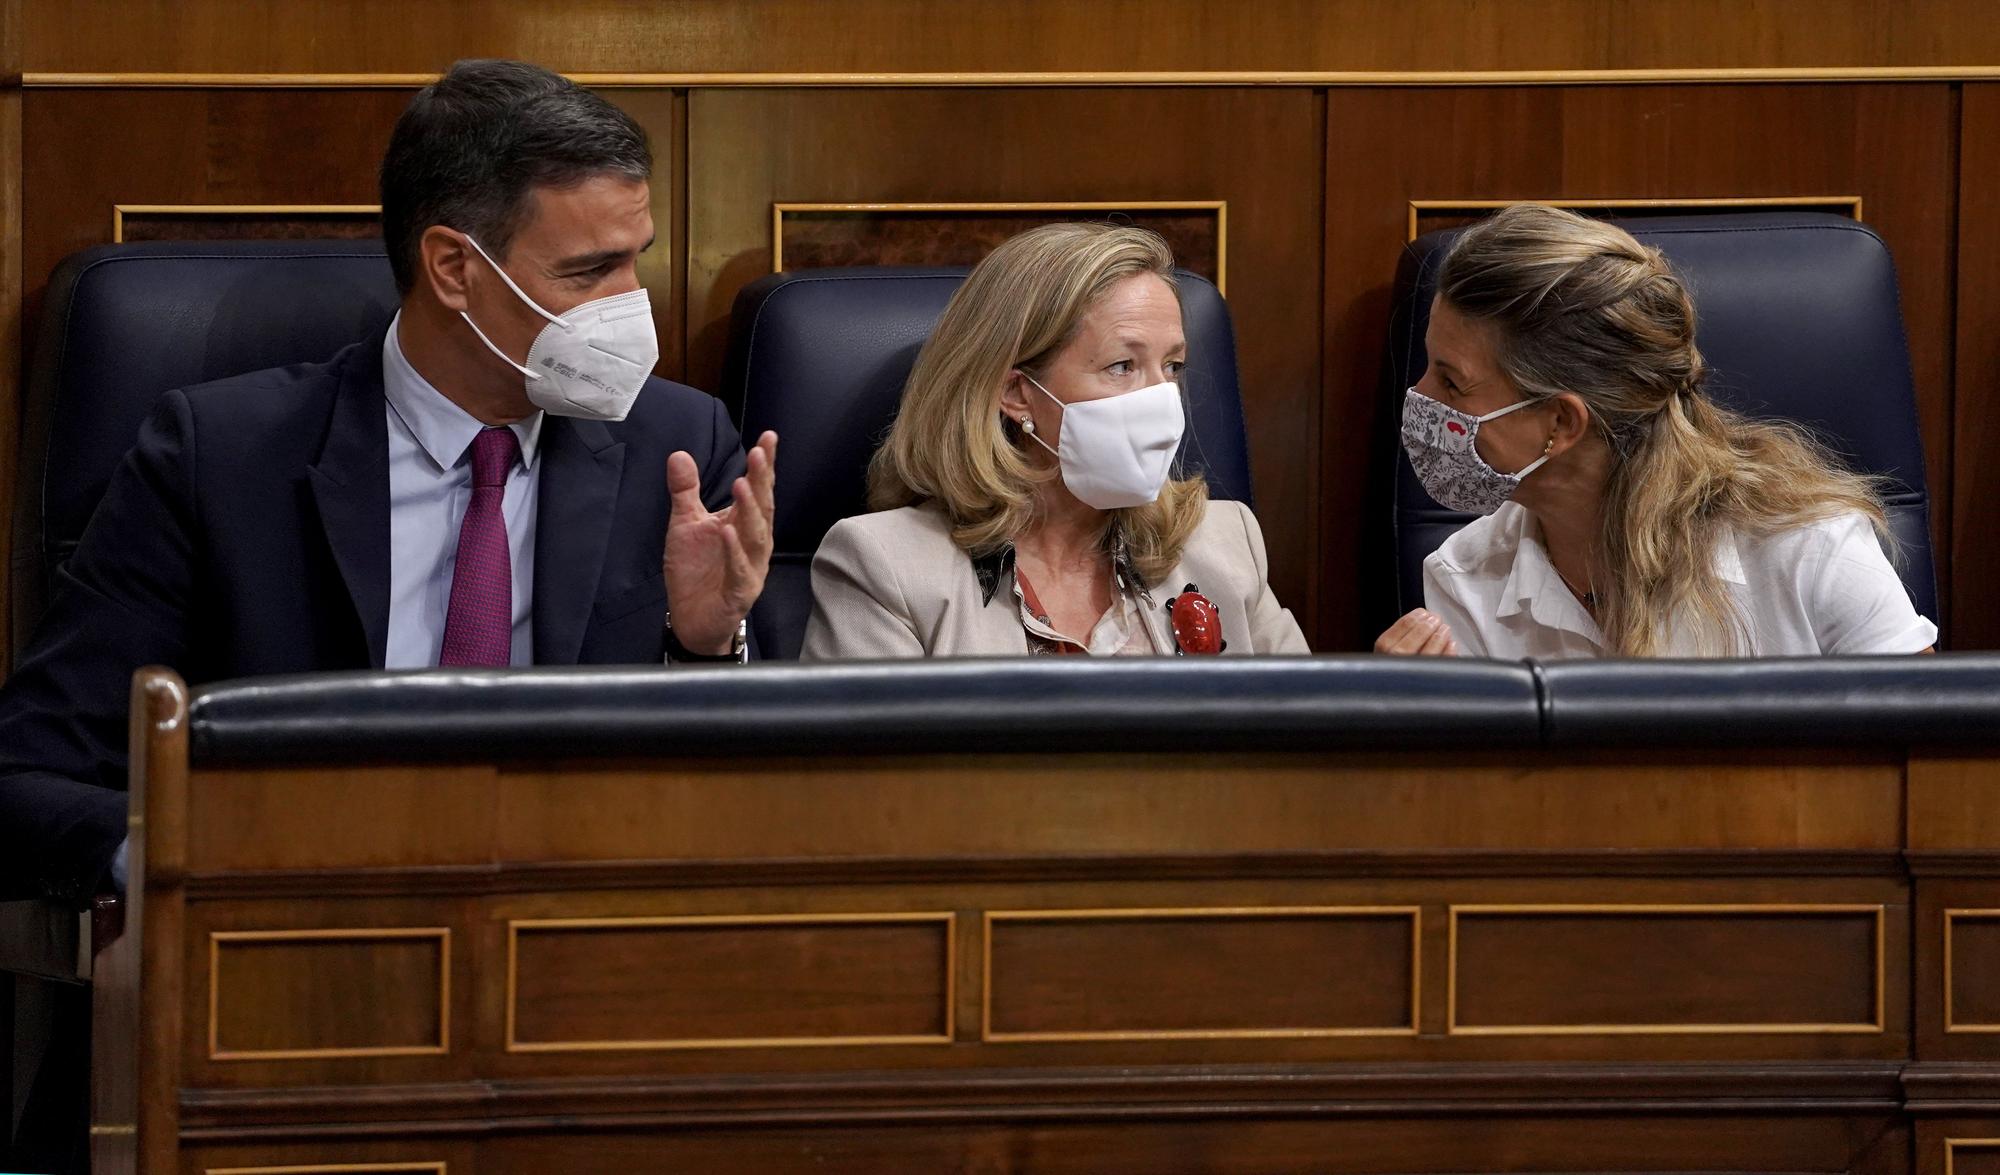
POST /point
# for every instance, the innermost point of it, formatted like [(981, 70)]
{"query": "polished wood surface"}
[(697, 36), (13, 268), (328, 992), (1083, 975), (1617, 968), (1974, 565), (811, 236), (275, 222), (715, 816), (1972, 971), (1949, 806), (749, 981), (1443, 963)]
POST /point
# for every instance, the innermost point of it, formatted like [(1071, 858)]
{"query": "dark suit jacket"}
[(248, 533)]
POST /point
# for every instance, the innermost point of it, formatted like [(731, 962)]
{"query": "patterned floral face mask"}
[(1438, 439)]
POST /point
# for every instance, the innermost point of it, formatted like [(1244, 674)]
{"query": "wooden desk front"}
[(1427, 961)]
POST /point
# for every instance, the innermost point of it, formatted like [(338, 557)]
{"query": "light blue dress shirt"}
[(430, 485)]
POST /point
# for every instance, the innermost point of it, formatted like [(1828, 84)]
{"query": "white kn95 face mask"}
[(589, 363)]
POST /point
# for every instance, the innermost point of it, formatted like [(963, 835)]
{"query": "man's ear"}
[(1571, 422), (443, 259)]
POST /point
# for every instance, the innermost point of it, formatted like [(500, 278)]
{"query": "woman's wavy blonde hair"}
[(950, 444), (1581, 306)]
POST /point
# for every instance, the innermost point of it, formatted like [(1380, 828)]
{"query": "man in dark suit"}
[(478, 484)]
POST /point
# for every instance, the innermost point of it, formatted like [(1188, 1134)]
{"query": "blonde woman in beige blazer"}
[(1024, 498)]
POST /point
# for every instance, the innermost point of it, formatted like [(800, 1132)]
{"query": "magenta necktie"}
[(479, 624)]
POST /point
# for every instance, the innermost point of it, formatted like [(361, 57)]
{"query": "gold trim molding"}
[(1454, 1028), (358, 934), (1852, 204), (1219, 207), (948, 920), (120, 211), (1953, 1145), (1413, 913), (328, 1169), (47, 79), (1950, 916)]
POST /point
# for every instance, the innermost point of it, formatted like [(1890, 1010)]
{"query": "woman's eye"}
[(1122, 367), (1177, 368)]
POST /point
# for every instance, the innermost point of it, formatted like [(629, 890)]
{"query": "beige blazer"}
[(893, 584)]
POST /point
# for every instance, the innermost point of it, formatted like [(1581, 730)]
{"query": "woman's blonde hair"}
[(950, 444), (1581, 306)]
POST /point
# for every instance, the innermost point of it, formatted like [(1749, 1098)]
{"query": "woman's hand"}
[(1420, 633)]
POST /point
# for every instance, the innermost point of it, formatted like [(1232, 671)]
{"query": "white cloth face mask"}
[(1438, 439), (1117, 451), (589, 363)]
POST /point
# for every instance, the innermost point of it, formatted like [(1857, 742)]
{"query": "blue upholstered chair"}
[(123, 324), (822, 355)]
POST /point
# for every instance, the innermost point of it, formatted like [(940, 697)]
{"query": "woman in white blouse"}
[(1625, 512)]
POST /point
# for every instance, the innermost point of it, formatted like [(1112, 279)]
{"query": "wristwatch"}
[(739, 649)]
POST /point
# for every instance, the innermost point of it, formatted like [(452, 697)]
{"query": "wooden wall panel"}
[(1972, 970), (309, 991), (345, 36), (1974, 569), (641, 984), (13, 354), (1972, 1156), (811, 236), (1142, 1140), (1892, 145), (1073, 975), (1948, 809), (91, 151), (1956, 933), (1257, 150), (315, 994), (1959, 1145), (272, 222), (88, 152), (685, 979), (429, 1156), (1592, 970)]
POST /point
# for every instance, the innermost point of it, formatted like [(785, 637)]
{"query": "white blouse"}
[(1822, 588)]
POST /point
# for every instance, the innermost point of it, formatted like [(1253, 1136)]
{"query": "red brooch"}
[(1196, 622)]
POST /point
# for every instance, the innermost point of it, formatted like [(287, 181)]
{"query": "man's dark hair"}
[(473, 145)]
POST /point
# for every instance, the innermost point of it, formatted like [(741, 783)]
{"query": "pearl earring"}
[(1027, 426)]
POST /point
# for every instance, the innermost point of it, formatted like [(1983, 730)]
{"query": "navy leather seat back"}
[(123, 324), (1798, 319), (821, 356)]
